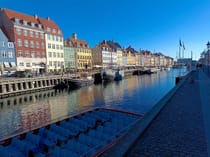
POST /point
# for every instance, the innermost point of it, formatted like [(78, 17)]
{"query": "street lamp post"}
[(208, 51)]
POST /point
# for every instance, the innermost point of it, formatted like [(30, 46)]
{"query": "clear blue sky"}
[(155, 25)]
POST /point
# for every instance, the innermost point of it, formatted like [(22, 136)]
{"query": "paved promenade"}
[(181, 129)]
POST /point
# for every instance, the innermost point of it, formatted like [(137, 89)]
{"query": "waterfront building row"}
[(36, 44)]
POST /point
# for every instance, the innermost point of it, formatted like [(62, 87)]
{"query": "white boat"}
[(110, 74), (154, 70)]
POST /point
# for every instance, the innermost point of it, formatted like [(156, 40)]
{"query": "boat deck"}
[(86, 134)]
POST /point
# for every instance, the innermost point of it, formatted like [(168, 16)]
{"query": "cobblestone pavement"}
[(178, 131)]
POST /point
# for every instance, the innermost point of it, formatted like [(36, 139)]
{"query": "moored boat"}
[(83, 80), (110, 74)]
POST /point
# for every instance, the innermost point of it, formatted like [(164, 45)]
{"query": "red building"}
[(30, 36)]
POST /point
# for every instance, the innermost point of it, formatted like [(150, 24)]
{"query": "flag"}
[(183, 46), (180, 43)]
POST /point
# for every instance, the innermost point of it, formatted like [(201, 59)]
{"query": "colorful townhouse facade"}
[(27, 34), (117, 50), (108, 56), (7, 55), (69, 57), (130, 54), (82, 51), (54, 45), (38, 41)]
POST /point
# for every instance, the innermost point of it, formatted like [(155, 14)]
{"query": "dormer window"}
[(48, 29), (40, 26), (24, 23), (59, 32), (32, 24), (17, 21), (54, 31)]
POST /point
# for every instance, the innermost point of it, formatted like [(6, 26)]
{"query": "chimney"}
[(75, 36), (36, 16), (48, 18)]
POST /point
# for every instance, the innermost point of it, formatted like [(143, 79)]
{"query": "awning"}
[(12, 64), (6, 64)]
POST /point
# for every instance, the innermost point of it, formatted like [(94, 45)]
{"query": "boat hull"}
[(112, 74), (80, 82)]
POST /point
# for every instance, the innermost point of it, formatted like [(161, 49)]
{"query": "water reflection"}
[(136, 93)]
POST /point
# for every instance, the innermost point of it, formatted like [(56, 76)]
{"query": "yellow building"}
[(83, 54), (130, 55)]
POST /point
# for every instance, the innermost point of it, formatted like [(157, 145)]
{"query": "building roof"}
[(114, 45), (76, 43), (13, 14), (132, 50), (45, 23)]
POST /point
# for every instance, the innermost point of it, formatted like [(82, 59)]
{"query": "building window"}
[(50, 63), (53, 46), (57, 47), (27, 54), (61, 47), (50, 54), (33, 54), (43, 55), (10, 45), (53, 37), (49, 46), (25, 23), (31, 34), (26, 43), (48, 36), (32, 44), (25, 32), (40, 26), (10, 54), (18, 31), (55, 64), (58, 55), (28, 64), (21, 64), (32, 24), (17, 21), (54, 54), (19, 42), (38, 54), (37, 34), (37, 44), (43, 46), (48, 29), (42, 35), (3, 54), (20, 53), (3, 43)]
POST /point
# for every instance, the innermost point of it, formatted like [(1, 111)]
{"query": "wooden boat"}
[(89, 133)]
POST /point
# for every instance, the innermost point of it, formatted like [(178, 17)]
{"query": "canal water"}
[(135, 93)]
